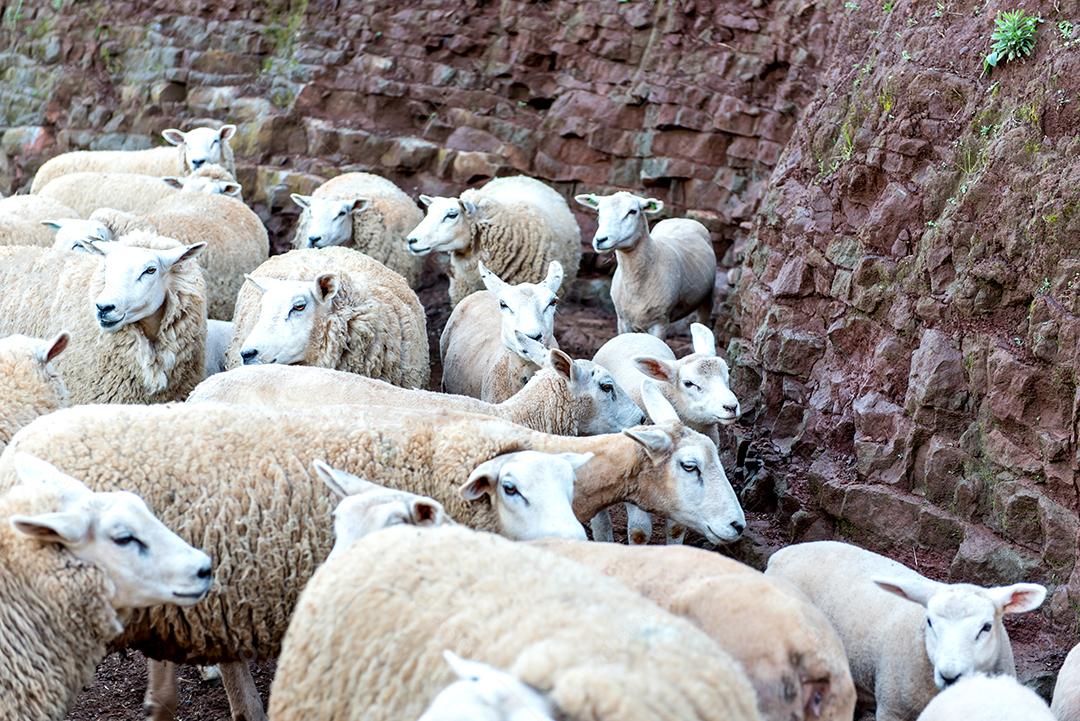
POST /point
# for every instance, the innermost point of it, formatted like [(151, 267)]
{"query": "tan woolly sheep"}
[(190, 151), (1066, 704), (988, 698), (29, 385), (332, 308), (400, 597), (23, 220), (365, 212), (137, 316), (515, 226)]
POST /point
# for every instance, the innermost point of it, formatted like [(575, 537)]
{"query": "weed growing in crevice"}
[(1013, 38)]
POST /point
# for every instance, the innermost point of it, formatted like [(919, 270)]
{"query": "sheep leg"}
[(159, 703), (602, 529), (244, 698), (675, 532), (704, 313), (638, 526)]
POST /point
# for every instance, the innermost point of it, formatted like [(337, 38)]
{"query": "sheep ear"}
[(576, 460), (554, 276), (53, 348), (427, 512), (227, 131), (703, 338), (484, 478), (326, 287), (469, 207), (426, 200), (656, 441), (562, 363), (656, 368), (589, 200), (917, 590), (172, 256), (173, 136), (53, 224), (492, 282), (462, 668), (652, 206), (173, 182), (304, 201), (66, 527), (360, 205), (262, 288), (93, 248), (531, 350), (231, 189), (1017, 598), (34, 471), (656, 405), (342, 483)]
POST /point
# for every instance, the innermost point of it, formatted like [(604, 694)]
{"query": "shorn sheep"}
[(24, 220), (135, 308), (332, 308), (365, 212), (75, 564), (663, 274), (398, 598), (514, 226), (29, 385), (189, 151), (907, 637), (1066, 703), (988, 698)]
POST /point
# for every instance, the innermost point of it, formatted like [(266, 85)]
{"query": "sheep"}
[(478, 362), (24, 220), (135, 308), (662, 275), (697, 385), (365, 212), (484, 693), (332, 308), (73, 233), (75, 564), (398, 598), (219, 334), (902, 655), (1066, 703), (515, 226), (988, 698), (29, 385), (190, 151), (791, 653), (568, 397)]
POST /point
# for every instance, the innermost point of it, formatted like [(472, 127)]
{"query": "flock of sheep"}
[(405, 553)]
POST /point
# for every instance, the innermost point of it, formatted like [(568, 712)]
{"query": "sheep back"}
[(162, 161), (28, 387), (86, 192), (21, 216)]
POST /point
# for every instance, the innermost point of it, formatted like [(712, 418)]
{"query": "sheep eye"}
[(554, 302), (689, 466), (632, 211), (127, 539), (150, 271), (509, 489), (607, 387), (929, 623), (503, 305), (689, 384), (299, 307), (451, 215), (342, 214), (985, 629)]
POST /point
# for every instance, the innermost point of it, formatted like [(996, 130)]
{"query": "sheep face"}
[(526, 308), (71, 233), (964, 634), (329, 220), (532, 493), (686, 482), (289, 312), (447, 226), (206, 185), (147, 563), (136, 281), (201, 145), (484, 693), (620, 221), (599, 404)]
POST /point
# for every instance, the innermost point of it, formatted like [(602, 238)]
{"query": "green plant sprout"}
[(1013, 38)]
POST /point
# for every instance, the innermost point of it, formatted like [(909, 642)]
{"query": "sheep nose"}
[(731, 409), (644, 419), (738, 526), (197, 163), (536, 336), (203, 572), (248, 354), (411, 240), (600, 240), (949, 681), (102, 309), (313, 240)]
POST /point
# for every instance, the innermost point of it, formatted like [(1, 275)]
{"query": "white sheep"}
[(73, 233), (1066, 703), (515, 226), (988, 698), (365, 212), (907, 637), (76, 563), (662, 275), (135, 308), (332, 308), (595, 650), (189, 151), (484, 693), (24, 219), (481, 354), (697, 385), (219, 334), (29, 385)]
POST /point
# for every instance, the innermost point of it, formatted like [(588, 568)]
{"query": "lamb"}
[(365, 212), (697, 385), (791, 653), (29, 385), (332, 308), (516, 226), (23, 220), (662, 275), (902, 655), (75, 564), (595, 650), (482, 692), (1066, 703), (478, 362), (988, 698), (135, 308), (190, 151)]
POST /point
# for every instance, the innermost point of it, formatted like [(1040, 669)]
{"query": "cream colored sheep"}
[(23, 220), (29, 385), (144, 340), (1066, 704), (75, 564), (365, 212), (662, 275), (789, 650), (515, 226), (906, 637), (74, 233), (398, 598), (190, 151), (484, 693), (988, 698), (332, 308)]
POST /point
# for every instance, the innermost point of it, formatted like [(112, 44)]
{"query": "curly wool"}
[(380, 230), (28, 387), (159, 162), (21, 217), (46, 291), (397, 598), (376, 326)]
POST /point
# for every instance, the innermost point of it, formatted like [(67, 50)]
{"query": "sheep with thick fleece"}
[(190, 151), (1066, 703), (400, 597), (662, 275), (365, 212), (907, 637), (23, 219), (569, 397), (135, 308), (75, 564), (29, 385), (332, 308), (789, 650), (988, 698), (515, 226)]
